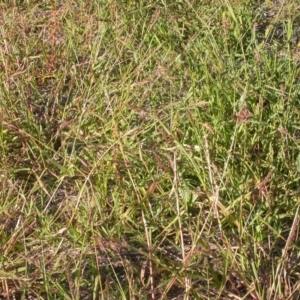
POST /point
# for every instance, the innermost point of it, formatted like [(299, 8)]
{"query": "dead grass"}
[(148, 151)]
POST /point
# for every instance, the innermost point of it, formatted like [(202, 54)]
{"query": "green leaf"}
[(298, 163)]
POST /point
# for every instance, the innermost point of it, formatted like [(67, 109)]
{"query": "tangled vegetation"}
[(149, 149)]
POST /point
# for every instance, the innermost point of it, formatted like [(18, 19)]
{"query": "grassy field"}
[(149, 149)]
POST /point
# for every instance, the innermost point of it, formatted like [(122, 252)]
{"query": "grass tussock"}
[(149, 150)]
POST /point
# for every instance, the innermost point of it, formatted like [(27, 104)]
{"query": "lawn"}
[(149, 149)]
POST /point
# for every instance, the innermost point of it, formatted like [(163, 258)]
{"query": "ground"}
[(149, 150)]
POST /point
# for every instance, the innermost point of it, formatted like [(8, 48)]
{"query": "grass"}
[(149, 150)]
